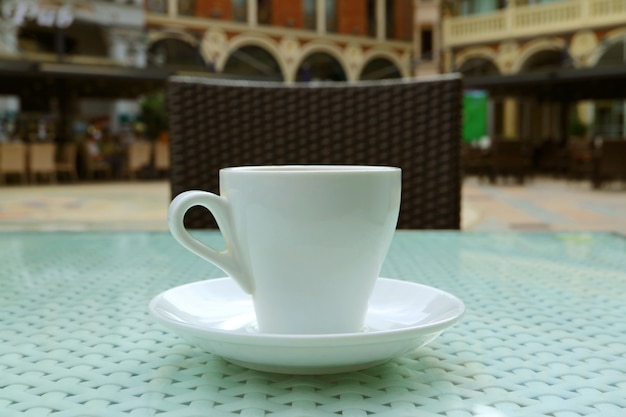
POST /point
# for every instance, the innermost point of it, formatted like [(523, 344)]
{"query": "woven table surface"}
[(544, 333)]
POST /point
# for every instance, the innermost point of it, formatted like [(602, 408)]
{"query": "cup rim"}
[(310, 169)]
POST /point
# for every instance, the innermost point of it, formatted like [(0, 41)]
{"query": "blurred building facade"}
[(526, 40), (90, 32), (302, 40), (68, 63)]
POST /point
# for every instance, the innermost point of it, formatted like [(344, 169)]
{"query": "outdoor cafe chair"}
[(161, 157), (579, 159), (510, 158), (609, 162), (13, 161), (91, 165), (41, 161), (414, 124), (66, 160), (138, 156)]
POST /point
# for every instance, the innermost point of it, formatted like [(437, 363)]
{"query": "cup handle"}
[(228, 259)]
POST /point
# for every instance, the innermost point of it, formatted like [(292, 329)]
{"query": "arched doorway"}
[(320, 66), (614, 54), (252, 61), (175, 53), (477, 67), (380, 69), (545, 60)]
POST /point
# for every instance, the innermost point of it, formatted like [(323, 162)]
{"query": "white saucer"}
[(219, 317)]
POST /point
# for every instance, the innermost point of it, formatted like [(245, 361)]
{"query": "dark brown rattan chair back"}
[(411, 124)]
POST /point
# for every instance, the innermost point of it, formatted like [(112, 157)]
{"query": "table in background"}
[(544, 333)]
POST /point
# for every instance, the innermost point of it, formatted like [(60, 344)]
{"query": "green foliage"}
[(577, 127), (154, 114)]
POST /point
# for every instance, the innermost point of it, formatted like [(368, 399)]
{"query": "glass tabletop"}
[(543, 334)]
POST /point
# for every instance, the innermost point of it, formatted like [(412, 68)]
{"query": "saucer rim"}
[(305, 340)]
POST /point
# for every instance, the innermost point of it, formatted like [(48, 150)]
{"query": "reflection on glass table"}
[(543, 333)]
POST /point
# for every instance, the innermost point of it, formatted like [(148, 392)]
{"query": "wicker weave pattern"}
[(415, 125), (543, 334)]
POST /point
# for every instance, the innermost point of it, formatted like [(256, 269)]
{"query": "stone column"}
[(320, 16), (252, 13), (172, 8), (510, 118), (381, 20)]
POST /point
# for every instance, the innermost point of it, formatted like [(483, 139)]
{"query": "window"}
[(371, 18), (310, 14), (157, 6), (399, 19), (240, 10), (331, 16), (264, 12), (426, 44), (469, 7), (186, 7), (390, 19)]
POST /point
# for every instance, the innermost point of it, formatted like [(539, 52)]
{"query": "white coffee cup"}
[(306, 241)]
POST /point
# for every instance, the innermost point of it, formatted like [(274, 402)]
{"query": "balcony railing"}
[(532, 20)]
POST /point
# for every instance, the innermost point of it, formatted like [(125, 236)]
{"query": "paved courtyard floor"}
[(543, 204), (85, 206), (540, 204)]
